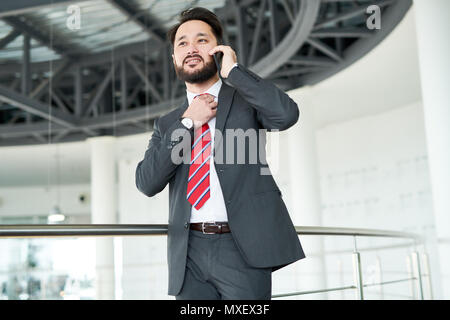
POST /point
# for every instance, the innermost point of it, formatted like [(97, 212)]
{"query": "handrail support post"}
[(418, 273), (357, 273)]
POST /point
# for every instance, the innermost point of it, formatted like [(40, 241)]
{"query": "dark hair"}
[(197, 13)]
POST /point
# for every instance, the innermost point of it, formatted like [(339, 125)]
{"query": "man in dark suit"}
[(228, 225)]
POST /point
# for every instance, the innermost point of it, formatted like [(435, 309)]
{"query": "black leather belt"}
[(211, 227)]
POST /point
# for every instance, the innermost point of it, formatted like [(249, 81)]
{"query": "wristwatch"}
[(187, 122)]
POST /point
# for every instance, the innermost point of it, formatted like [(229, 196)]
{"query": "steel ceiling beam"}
[(166, 65), (342, 33), (303, 24), (102, 121), (9, 38), (287, 9), (358, 10), (242, 35), (148, 85), (97, 93), (78, 91), (144, 21), (26, 61), (16, 7), (390, 19), (123, 85), (143, 113), (295, 71), (274, 22), (64, 49), (228, 10), (326, 49), (23, 130), (59, 102), (87, 60), (35, 107), (312, 61), (32, 141), (307, 49), (40, 89), (257, 33)]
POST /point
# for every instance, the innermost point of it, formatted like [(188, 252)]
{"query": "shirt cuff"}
[(234, 66)]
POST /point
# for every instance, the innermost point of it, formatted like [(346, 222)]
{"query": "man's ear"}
[(173, 59)]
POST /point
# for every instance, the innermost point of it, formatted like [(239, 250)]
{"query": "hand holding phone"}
[(225, 58)]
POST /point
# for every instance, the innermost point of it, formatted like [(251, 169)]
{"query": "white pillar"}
[(104, 210), (433, 24), (306, 196)]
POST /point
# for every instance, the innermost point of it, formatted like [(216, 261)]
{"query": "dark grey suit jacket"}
[(257, 215)]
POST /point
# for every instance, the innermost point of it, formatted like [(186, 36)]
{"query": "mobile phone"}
[(218, 60)]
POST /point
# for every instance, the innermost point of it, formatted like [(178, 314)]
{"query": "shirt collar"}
[(213, 90)]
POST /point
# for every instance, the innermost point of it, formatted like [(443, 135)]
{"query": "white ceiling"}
[(386, 78)]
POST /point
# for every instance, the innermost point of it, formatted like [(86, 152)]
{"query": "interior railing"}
[(416, 276)]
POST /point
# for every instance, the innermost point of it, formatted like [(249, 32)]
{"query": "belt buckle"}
[(203, 227)]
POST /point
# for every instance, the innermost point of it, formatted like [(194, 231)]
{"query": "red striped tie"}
[(198, 182)]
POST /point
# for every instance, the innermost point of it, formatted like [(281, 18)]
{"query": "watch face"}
[(187, 122)]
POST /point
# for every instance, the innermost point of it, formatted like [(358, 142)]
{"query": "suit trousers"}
[(216, 270)]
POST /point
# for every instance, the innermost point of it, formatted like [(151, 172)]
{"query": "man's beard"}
[(199, 76)]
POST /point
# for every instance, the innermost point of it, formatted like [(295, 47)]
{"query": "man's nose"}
[(192, 49)]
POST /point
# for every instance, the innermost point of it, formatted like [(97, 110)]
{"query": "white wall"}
[(374, 174), (38, 200), (374, 171)]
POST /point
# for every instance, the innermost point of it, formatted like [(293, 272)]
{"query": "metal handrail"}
[(96, 230), (334, 231), (80, 230), (66, 230)]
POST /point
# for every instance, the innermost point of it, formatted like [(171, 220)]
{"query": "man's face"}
[(193, 40)]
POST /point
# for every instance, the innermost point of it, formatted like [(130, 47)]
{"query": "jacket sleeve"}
[(158, 166), (274, 108)]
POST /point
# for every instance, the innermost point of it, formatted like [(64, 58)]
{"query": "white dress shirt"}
[(214, 208)]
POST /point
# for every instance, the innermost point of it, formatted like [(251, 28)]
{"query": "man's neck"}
[(201, 87)]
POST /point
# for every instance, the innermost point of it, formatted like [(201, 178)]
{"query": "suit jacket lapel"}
[(182, 109), (224, 104)]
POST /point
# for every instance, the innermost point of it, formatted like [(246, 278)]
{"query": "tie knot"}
[(203, 94)]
